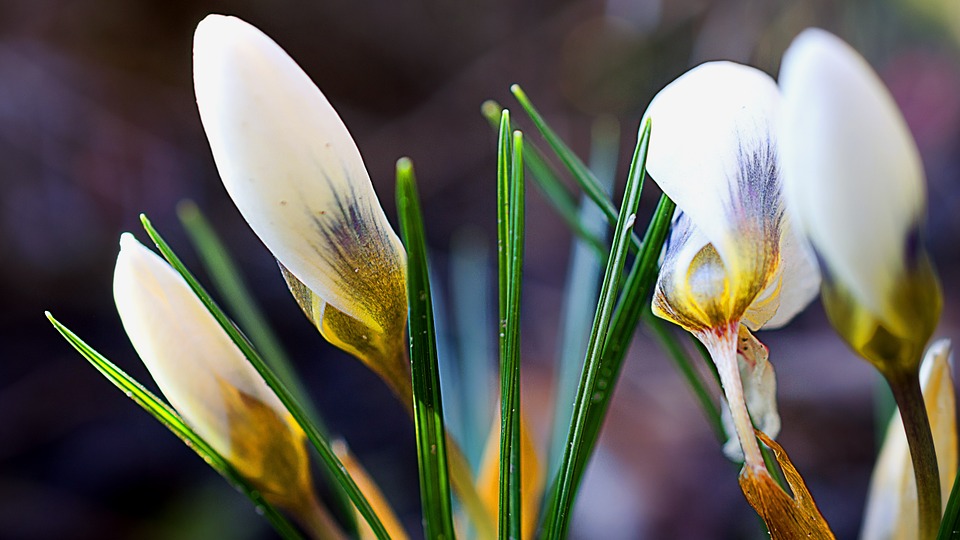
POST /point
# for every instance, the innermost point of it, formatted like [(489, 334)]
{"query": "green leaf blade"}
[(579, 444), (510, 205), (427, 401)]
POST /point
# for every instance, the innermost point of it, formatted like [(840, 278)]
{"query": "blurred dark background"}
[(98, 123)]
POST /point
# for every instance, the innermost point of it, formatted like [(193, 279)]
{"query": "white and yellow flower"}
[(210, 383), (734, 263), (855, 181), (891, 511), (297, 177)]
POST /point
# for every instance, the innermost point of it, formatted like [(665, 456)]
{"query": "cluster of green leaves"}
[(614, 288)]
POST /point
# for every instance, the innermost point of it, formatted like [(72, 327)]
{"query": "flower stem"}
[(906, 390), (722, 344)]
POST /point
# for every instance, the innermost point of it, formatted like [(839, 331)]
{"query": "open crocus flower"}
[(854, 177), (733, 263), (296, 175), (212, 385), (891, 512)]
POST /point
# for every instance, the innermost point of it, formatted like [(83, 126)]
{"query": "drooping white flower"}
[(297, 177), (733, 256), (891, 512), (855, 181), (207, 379)]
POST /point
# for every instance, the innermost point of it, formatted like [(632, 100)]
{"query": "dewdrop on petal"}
[(297, 177)]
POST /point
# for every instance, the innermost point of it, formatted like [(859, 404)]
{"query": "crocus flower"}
[(211, 384), (854, 177), (296, 175), (891, 512), (855, 181), (734, 262)]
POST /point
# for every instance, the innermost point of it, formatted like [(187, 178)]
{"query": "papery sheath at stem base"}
[(786, 517)]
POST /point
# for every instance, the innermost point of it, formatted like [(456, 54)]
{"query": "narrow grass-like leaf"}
[(626, 316), (565, 487), (228, 281), (581, 291), (319, 442), (510, 216), (424, 364), (547, 181), (584, 177), (950, 526), (169, 418)]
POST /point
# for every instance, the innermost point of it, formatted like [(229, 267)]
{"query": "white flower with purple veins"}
[(734, 262), (297, 177)]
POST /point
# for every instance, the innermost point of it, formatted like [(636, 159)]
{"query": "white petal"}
[(184, 348), (891, 511), (290, 164), (799, 277), (852, 171), (708, 125)]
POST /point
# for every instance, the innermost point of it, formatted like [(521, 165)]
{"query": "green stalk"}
[(424, 364), (906, 391)]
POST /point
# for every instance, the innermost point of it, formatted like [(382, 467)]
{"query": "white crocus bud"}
[(296, 175), (891, 512), (855, 182), (207, 379)]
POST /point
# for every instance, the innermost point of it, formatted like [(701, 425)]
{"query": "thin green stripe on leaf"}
[(566, 484), (424, 364), (169, 418), (319, 442)]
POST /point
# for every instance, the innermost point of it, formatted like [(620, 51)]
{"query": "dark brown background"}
[(98, 123)]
